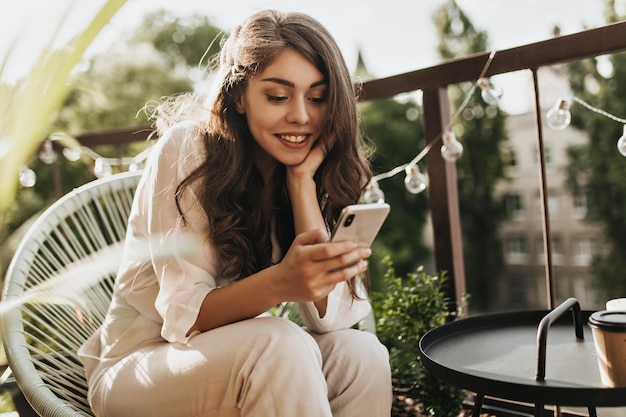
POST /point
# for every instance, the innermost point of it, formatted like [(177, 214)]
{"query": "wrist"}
[(275, 288), (300, 185)]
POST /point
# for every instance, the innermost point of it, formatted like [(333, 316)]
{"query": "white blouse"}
[(169, 266)]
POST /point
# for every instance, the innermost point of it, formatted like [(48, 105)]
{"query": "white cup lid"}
[(616, 304)]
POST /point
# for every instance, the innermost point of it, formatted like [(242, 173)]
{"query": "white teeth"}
[(293, 139)]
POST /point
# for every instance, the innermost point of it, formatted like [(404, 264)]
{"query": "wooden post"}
[(444, 199)]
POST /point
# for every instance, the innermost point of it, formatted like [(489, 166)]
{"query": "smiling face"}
[(285, 106)]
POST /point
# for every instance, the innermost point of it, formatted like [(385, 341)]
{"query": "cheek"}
[(261, 124), (262, 116), (254, 119), (321, 114)]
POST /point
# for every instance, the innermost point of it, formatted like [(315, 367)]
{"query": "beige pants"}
[(263, 367)]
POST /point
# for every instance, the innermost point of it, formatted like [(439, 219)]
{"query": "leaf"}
[(28, 105)]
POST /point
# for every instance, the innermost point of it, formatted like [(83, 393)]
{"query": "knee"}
[(285, 340), (357, 349), (357, 370)]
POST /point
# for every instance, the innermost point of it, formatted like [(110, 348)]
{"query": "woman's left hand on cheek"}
[(311, 163)]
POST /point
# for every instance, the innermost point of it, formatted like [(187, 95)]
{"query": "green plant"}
[(27, 106), (405, 311)]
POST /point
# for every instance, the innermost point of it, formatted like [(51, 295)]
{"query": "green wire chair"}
[(58, 288)]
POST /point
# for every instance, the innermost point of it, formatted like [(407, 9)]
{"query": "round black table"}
[(538, 357)]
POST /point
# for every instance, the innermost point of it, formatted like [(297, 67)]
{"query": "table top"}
[(497, 355)]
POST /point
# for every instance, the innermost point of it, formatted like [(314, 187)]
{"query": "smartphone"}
[(360, 223)]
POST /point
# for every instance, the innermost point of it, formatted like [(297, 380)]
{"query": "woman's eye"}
[(276, 98), (318, 100)]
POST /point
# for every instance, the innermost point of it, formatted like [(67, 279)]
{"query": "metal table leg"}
[(539, 410), (478, 405)]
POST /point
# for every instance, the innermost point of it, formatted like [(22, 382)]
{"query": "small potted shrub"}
[(407, 309)]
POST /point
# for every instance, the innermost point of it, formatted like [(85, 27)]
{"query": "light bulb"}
[(72, 154), (48, 155), (490, 93), (559, 116), (621, 143), (27, 177), (373, 193), (415, 181), (136, 166), (451, 150), (102, 168)]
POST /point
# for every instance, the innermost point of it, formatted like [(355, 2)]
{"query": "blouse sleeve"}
[(342, 310), (181, 254)]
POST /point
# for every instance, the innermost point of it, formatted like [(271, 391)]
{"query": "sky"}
[(394, 36)]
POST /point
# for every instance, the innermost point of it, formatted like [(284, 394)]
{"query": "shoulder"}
[(178, 151), (182, 135), (182, 141)]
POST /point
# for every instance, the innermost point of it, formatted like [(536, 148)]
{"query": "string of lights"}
[(415, 181), (558, 117), (102, 166), (451, 149)]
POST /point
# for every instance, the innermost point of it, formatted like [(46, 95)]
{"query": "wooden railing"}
[(434, 82)]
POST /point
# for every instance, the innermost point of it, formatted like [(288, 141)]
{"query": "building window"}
[(516, 248), (580, 205), (553, 204), (514, 206), (557, 250), (547, 154), (547, 151), (584, 249), (511, 162)]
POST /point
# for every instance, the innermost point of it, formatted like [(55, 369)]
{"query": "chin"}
[(292, 162), (289, 160)]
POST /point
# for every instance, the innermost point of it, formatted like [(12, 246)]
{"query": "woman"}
[(254, 179)]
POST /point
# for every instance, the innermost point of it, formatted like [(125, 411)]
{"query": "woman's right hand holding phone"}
[(313, 266)]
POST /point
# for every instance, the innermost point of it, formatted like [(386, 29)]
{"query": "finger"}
[(317, 154), (312, 237), (347, 272), (330, 252), (349, 259)]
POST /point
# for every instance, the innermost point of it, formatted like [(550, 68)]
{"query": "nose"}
[(298, 112)]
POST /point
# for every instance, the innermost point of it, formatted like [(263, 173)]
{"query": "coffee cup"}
[(609, 336), (616, 304)]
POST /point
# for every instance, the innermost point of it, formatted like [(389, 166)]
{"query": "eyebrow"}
[(291, 84)]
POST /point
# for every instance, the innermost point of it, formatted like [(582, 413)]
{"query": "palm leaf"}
[(26, 107)]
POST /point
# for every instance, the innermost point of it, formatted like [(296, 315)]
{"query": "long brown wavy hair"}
[(230, 185)]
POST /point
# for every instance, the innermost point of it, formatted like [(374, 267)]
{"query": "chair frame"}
[(41, 338)]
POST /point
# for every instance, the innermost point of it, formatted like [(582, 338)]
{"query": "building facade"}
[(574, 239)]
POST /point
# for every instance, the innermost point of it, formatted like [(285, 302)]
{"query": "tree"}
[(597, 169), (397, 135), (26, 107), (110, 90), (481, 131), (159, 59), (188, 41)]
